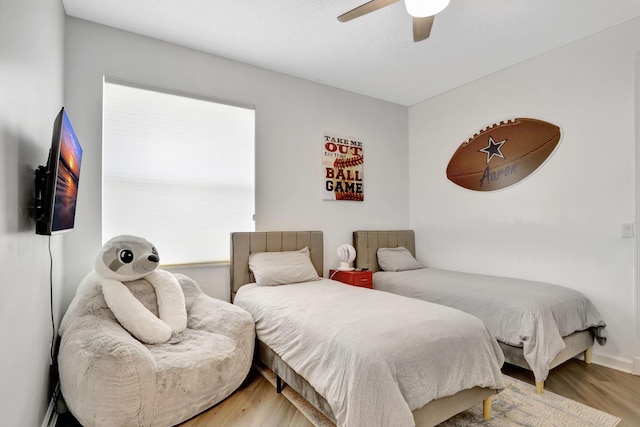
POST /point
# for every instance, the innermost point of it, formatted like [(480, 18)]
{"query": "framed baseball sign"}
[(342, 168)]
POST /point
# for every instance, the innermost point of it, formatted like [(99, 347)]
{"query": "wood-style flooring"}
[(256, 403)]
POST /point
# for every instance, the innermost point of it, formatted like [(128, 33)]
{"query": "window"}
[(177, 170)]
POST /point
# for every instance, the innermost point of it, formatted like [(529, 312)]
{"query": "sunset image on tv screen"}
[(64, 209)]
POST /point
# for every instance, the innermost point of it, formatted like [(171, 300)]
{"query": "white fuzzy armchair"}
[(109, 378)]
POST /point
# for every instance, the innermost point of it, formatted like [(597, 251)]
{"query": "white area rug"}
[(517, 405)]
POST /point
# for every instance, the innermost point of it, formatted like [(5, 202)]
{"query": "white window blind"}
[(176, 170)]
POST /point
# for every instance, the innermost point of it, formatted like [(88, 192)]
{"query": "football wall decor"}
[(503, 154)]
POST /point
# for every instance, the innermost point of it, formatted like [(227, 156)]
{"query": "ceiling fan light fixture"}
[(424, 8)]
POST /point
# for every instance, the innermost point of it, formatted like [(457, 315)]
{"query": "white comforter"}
[(534, 315), (372, 355)]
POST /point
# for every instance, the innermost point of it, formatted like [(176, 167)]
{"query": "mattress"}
[(521, 313), (373, 356)]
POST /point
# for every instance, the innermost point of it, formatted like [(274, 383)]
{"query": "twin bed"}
[(538, 325), (362, 358), (427, 348)]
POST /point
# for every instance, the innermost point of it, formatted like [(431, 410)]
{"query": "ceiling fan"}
[(422, 11)]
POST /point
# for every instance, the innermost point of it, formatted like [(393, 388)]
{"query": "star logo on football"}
[(493, 149)]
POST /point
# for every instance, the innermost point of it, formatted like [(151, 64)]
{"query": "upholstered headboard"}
[(244, 244), (367, 243)]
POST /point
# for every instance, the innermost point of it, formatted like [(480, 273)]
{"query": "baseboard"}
[(624, 365), (636, 366), (51, 416)]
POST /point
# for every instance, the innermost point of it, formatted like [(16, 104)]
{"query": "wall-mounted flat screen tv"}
[(56, 191)]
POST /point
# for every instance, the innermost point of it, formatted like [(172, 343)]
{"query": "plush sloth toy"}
[(127, 258)]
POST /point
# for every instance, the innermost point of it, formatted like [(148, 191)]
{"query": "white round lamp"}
[(346, 255)]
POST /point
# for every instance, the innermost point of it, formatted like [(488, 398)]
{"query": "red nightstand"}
[(364, 279)]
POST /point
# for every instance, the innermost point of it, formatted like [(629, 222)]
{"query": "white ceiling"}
[(372, 55)]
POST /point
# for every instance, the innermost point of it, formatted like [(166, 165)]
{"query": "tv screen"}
[(57, 182)]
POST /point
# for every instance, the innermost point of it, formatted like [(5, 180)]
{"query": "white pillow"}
[(397, 259), (281, 268)]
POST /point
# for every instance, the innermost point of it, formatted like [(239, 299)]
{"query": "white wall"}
[(31, 79), (563, 223), (291, 116)]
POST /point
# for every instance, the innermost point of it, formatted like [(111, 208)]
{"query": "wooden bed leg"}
[(278, 385), (539, 386), (486, 408), (587, 355)]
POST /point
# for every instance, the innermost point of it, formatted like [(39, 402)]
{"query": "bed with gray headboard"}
[(523, 315), (306, 313)]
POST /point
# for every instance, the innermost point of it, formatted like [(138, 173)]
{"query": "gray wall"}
[(291, 117), (562, 224), (31, 93)]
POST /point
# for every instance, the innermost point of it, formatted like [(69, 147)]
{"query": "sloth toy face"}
[(126, 258)]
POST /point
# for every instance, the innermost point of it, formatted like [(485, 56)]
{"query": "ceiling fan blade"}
[(422, 28), (368, 7)]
